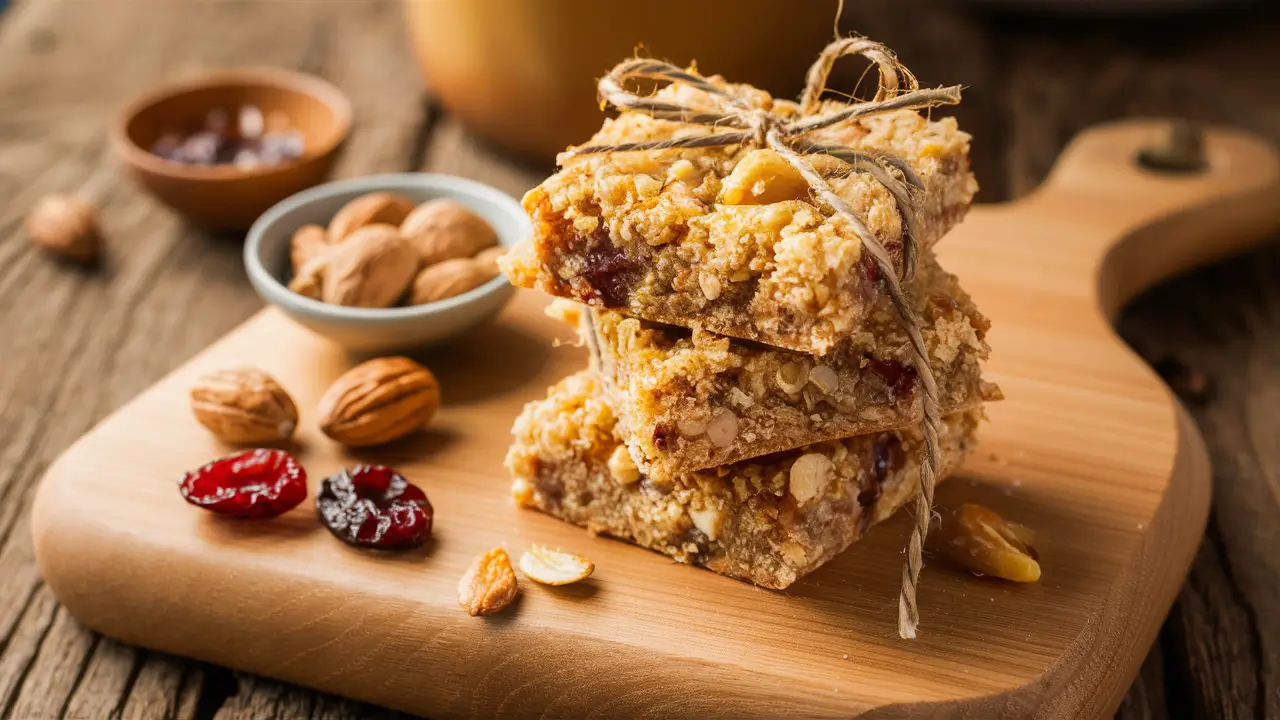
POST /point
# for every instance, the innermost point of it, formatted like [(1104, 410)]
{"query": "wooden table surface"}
[(79, 343)]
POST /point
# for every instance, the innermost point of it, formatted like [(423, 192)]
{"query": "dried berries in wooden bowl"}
[(252, 141), (222, 147)]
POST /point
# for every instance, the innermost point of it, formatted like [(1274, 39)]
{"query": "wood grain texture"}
[(1056, 75), (1087, 439), (1220, 645), (83, 341), (1059, 74)]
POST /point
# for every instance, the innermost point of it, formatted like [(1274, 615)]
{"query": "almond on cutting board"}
[(378, 401), (244, 406)]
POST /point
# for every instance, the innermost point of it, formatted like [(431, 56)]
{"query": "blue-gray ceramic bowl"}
[(266, 259)]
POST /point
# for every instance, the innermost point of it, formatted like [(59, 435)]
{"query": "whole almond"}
[(487, 259), (489, 585), (379, 207), (445, 229), (371, 268), (65, 225), (378, 401), (244, 406), (308, 243), (445, 280), (308, 281)]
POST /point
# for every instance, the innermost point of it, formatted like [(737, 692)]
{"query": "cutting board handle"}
[(1144, 224)]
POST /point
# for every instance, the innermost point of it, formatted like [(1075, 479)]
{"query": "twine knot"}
[(760, 122), (898, 90)]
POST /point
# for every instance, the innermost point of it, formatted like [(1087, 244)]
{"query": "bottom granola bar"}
[(770, 520)]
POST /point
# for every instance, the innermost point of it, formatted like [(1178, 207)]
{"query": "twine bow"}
[(785, 135)]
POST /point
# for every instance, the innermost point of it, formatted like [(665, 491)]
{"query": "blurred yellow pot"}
[(522, 73)]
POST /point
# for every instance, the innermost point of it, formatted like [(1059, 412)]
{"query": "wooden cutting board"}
[(1089, 449)]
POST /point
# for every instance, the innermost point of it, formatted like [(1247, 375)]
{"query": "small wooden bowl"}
[(224, 196)]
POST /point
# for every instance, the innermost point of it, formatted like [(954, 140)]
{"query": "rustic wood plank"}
[(1211, 333), (261, 698), (454, 151), (105, 680), (21, 648), (166, 687), (88, 340), (57, 669), (1146, 699), (1062, 75)]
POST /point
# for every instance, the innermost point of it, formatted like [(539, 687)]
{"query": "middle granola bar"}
[(690, 399)]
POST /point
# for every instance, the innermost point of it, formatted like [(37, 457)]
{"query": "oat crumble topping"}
[(725, 238)]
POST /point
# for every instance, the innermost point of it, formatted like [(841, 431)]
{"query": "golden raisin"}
[(984, 543)]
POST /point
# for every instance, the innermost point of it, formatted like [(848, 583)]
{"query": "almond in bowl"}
[(387, 263), (381, 250)]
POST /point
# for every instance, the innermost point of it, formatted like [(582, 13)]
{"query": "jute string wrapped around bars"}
[(785, 135)]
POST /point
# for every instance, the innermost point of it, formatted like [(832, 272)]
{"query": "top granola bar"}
[(729, 238)]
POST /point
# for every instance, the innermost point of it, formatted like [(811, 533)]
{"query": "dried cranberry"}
[(897, 377), (609, 271), (870, 269), (252, 484), (374, 506), (248, 144), (662, 436)]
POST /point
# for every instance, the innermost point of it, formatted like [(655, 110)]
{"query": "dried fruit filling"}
[(253, 484), (897, 378), (374, 506), (608, 271)]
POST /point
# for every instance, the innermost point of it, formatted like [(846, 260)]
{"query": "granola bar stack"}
[(751, 406)]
